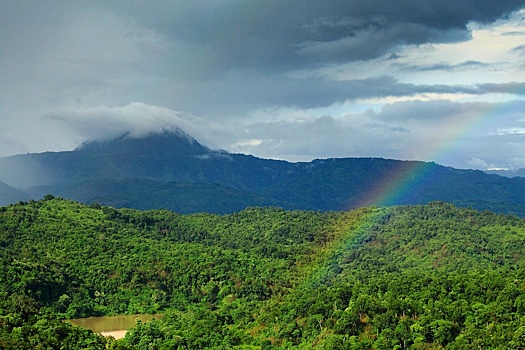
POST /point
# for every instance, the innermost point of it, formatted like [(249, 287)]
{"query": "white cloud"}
[(478, 163), (510, 131), (448, 132), (137, 119)]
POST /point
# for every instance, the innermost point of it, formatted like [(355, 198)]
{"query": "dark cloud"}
[(315, 92), (394, 56), (444, 66), (516, 88), (435, 111), (515, 33), (233, 54), (374, 41), (277, 35), (508, 114), (73, 70)]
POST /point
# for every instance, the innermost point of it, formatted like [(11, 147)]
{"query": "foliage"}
[(24, 326), (418, 277)]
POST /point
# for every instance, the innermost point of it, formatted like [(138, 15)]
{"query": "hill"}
[(419, 277), (9, 195), (173, 171)]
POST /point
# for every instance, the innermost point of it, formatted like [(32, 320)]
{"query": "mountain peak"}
[(166, 142)]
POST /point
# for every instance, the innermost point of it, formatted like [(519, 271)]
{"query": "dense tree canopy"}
[(419, 277)]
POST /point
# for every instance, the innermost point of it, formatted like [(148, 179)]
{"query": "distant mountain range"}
[(172, 170), (9, 195)]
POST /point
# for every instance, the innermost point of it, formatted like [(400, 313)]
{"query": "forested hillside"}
[(419, 277)]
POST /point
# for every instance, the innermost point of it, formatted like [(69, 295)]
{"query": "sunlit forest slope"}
[(408, 277)]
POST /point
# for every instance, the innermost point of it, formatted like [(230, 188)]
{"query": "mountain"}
[(155, 156), (164, 144), (148, 194), (163, 157), (10, 195), (172, 170)]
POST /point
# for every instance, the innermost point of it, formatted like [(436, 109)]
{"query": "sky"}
[(433, 80)]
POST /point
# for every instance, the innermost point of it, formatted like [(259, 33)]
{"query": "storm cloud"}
[(296, 79)]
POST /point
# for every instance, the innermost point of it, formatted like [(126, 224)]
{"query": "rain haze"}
[(432, 80)]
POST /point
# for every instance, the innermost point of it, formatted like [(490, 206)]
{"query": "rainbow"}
[(396, 186), (445, 143)]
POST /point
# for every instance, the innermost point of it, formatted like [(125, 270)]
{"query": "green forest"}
[(404, 277)]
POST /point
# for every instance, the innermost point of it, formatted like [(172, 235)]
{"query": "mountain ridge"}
[(9, 195), (162, 160)]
